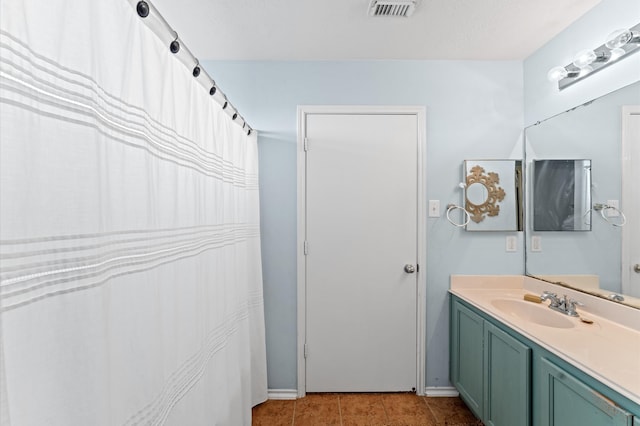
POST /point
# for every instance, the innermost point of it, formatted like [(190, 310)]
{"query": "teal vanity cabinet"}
[(490, 369), (508, 380), (466, 349), (566, 401)]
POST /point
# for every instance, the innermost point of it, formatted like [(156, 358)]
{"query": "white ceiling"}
[(342, 29)]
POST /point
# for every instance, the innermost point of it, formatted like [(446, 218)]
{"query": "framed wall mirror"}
[(604, 261), (493, 195)]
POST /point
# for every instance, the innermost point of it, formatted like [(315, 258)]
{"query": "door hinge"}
[(306, 144), (305, 248), (306, 350)]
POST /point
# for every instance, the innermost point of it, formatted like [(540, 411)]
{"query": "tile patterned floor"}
[(368, 409)]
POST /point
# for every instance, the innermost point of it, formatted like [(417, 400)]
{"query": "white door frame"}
[(420, 113), (627, 189)]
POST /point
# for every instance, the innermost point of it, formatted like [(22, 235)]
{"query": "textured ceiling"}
[(342, 29)]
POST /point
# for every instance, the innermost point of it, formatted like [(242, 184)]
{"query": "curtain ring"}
[(196, 69), (225, 105), (213, 90), (143, 9), (450, 208), (175, 44)]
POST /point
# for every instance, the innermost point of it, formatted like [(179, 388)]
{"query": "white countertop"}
[(607, 350)]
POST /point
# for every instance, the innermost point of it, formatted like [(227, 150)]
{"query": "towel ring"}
[(603, 207), (451, 207)]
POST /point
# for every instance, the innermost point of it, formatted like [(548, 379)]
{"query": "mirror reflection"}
[(493, 195), (561, 195), (477, 194), (601, 262)]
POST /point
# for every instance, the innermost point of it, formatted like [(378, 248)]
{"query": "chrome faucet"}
[(547, 295), (616, 297), (562, 304)]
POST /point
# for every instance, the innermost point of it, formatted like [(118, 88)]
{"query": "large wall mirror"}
[(605, 259)]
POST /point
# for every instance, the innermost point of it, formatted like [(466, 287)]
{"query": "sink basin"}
[(531, 312)]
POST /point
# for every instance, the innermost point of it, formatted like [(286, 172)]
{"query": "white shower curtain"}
[(130, 281)]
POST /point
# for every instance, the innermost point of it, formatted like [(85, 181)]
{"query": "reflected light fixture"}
[(618, 45)]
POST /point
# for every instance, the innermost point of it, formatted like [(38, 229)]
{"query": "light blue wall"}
[(542, 98), (474, 111)]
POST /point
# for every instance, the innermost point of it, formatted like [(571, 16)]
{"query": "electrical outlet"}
[(434, 208), (536, 243), (511, 243)]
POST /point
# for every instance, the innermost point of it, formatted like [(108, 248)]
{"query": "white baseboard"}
[(282, 394), (441, 391)]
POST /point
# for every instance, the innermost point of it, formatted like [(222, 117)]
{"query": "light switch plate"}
[(511, 243), (434, 208)]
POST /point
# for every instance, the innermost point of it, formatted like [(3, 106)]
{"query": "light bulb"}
[(585, 70), (557, 74), (616, 53), (620, 37), (584, 58)]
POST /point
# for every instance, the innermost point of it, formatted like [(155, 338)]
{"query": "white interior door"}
[(631, 200), (361, 231)]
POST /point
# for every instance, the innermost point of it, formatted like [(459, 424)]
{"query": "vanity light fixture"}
[(618, 45), (585, 58), (619, 38)]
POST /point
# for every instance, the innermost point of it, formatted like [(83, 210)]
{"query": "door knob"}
[(636, 268), (409, 269)]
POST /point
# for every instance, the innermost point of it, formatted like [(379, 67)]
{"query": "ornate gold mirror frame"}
[(495, 194)]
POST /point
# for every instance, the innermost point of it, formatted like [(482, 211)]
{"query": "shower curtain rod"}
[(144, 9)]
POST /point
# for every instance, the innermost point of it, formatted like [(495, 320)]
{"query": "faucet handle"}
[(571, 307)]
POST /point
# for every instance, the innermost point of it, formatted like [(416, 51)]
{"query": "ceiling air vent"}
[(392, 7)]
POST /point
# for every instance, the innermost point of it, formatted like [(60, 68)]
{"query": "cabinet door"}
[(506, 388), (466, 356), (566, 401)]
